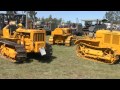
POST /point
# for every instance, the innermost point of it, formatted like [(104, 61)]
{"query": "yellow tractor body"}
[(62, 36), (16, 44), (104, 47)]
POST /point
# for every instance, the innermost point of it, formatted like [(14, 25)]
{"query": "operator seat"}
[(12, 28)]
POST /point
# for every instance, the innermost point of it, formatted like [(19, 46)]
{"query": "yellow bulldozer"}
[(104, 47), (17, 42), (62, 36)]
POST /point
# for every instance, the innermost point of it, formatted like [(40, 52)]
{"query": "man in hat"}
[(20, 24)]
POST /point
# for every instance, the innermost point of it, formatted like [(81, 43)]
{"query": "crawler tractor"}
[(16, 42), (104, 47), (62, 36)]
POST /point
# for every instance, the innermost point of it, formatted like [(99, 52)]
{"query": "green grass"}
[(64, 65)]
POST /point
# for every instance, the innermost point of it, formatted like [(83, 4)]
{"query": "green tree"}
[(113, 16), (50, 18), (11, 13), (60, 21), (68, 22), (42, 19), (32, 15)]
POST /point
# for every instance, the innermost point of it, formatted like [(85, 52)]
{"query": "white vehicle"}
[(108, 25)]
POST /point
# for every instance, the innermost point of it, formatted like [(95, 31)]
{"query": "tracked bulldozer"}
[(62, 36), (16, 42), (104, 47)]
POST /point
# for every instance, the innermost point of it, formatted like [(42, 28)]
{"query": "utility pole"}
[(26, 19), (77, 22)]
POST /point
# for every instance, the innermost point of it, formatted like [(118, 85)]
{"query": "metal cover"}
[(42, 51)]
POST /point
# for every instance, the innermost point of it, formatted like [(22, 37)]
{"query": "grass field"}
[(63, 65)]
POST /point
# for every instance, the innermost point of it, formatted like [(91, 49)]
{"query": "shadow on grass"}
[(38, 57)]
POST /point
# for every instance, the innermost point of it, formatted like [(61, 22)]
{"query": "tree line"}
[(33, 17), (111, 16)]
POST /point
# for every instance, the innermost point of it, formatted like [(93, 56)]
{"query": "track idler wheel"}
[(113, 57), (80, 50), (116, 59)]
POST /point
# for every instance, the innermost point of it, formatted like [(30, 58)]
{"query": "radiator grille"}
[(39, 37)]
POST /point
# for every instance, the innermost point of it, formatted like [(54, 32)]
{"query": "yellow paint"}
[(94, 47), (32, 40), (61, 36)]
